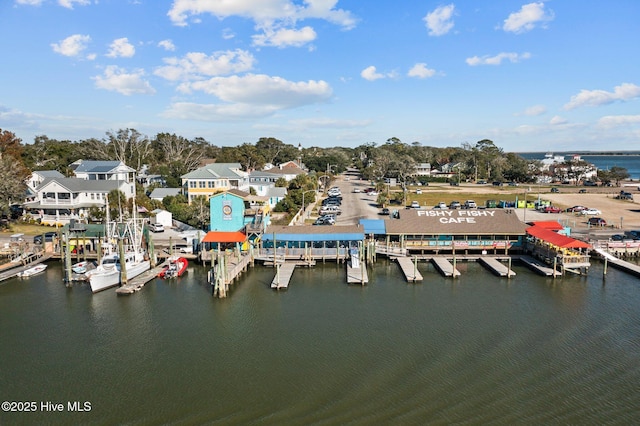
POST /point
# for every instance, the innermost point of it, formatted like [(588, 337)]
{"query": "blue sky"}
[(531, 76)]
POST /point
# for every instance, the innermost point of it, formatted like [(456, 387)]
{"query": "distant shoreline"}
[(584, 153)]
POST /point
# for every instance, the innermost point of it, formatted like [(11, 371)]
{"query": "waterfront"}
[(630, 160), (475, 350)]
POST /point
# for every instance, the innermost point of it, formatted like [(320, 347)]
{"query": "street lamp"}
[(303, 206), (327, 178)]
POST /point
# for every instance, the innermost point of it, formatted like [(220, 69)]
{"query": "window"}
[(192, 184), (201, 184), (211, 184)]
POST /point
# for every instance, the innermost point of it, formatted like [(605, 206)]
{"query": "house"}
[(159, 193), (275, 194), (261, 181), (39, 176), (423, 169), (57, 200), (103, 170), (162, 217), (214, 178), (289, 170)]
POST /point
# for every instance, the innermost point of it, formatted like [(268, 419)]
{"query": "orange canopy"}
[(551, 225), (556, 239), (224, 237)]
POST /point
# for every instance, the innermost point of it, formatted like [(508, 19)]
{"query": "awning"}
[(556, 239), (224, 237), (339, 236), (551, 225)]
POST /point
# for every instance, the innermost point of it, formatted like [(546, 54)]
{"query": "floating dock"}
[(539, 267), (445, 267), (357, 272), (283, 276), (136, 284), (497, 267), (410, 269)]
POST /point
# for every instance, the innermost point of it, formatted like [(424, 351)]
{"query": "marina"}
[(410, 269)]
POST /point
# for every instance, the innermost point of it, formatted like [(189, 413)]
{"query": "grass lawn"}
[(27, 229)]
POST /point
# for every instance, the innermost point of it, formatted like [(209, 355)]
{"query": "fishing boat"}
[(176, 267), (121, 237), (32, 271)]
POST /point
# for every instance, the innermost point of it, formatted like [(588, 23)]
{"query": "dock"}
[(283, 276), (496, 267), (619, 263), (357, 272), (136, 284), (444, 266), (539, 267), (13, 268), (410, 269)]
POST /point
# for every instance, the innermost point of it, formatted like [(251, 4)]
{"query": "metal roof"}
[(216, 171), (314, 233), (373, 226), (456, 222)]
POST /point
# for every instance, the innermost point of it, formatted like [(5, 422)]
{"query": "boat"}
[(128, 235), (176, 267), (82, 267), (32, 271)]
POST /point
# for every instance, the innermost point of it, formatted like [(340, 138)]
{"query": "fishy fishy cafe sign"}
[(456, 216)]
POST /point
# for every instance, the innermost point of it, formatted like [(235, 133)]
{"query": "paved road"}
[(355, 206)]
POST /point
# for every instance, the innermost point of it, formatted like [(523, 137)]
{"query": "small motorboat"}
[(82, 267), (32, 271), (175, 268)]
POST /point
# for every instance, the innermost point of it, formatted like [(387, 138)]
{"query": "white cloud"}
[(196, 65), (285, 37), (439, 22), (118, 80), (609, 121), (557, 120), (497, 59), (420, 70), (527, 18), (121, 48), (30, 2), (217, 112), (167, 45), (534, 110), (624, 92), (69, 3), (269, 12), (228, 34), (329, 123), (263, 90), (72, 46), (371, 74)]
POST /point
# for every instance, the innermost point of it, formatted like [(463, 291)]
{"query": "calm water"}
[(478, 350)]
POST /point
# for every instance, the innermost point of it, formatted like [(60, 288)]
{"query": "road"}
[(355, 205)]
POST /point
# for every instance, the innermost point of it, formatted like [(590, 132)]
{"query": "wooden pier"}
[(538, 266), (496, 266), (410, 269), (357, 273), (618, 263), (136, 284), (283, 275), (445, 267)]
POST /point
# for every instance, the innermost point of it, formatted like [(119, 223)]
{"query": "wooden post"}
[(509, 269), (604, 271), (415, 268), (123, 264), (67, 259), (555, 264), (454, 263)]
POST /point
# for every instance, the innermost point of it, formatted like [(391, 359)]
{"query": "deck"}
[(538, 266), (357, 273), (283, 276), (136, 284)]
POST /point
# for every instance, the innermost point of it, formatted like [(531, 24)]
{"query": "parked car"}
[(552, 209), (415, 205), (441, 205), (48, 237), (497, 183), (454, 205), (582, 191), (418, 191), (555, 189), (156, 227), (591, 212), (481, 182), (470, 204), (623, 195), (330, 209), (597, 221), (590, 183), (452, 183), (576, 209)]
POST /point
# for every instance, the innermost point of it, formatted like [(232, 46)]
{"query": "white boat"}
[(81, 267), (32, 271), (109, 271)]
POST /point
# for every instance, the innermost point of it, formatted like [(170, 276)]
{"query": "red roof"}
[(556, 239), (224, 237), (551, 225)]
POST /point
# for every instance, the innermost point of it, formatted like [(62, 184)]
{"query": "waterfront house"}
[(58, 200), (104, 170), (214, 178), (158, 194)]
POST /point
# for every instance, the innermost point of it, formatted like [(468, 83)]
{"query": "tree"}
[(130, 147), (616, 174), (13, 172)]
